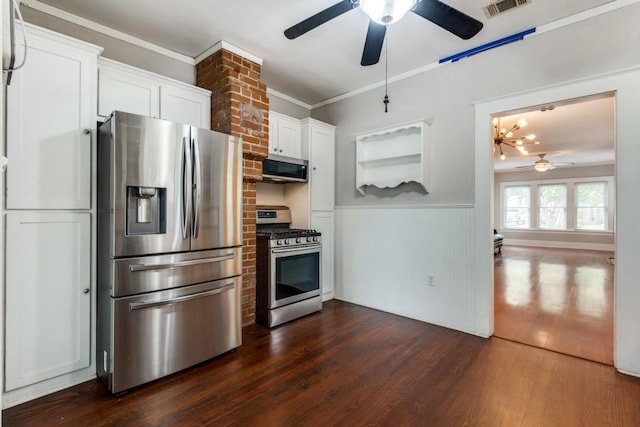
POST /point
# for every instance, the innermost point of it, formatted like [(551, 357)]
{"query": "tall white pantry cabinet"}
[(318, 146), (48, 208)]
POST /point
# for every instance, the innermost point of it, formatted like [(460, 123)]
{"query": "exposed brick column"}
[(240, 107)]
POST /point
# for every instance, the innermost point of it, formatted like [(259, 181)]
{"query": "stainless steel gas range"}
[(288, 271)]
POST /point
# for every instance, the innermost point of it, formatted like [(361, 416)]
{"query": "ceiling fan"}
[(386, 12), (543, 165)]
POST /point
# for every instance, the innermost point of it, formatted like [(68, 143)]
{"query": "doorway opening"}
[(553, 201)]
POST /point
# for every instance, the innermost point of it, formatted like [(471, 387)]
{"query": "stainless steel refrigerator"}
[(169, 248)]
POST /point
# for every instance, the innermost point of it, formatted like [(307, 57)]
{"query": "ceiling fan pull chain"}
[(386, 74)]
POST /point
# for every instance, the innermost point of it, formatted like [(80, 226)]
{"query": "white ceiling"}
[(325, 62), (322, 63), (580, 131)]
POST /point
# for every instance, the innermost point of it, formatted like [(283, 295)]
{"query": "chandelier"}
[(504, 136)]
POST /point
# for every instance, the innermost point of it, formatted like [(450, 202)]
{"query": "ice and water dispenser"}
[(146, 210)]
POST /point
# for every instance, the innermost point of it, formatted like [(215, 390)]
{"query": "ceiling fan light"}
[(386, 12), (542, 166)]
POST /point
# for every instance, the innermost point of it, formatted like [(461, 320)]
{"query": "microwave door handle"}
[(196, 186), (184, 167)]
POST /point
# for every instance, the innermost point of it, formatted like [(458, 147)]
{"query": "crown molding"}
[(94, 26), (228, 47)]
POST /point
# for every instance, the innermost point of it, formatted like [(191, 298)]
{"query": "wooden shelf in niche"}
[(391, 156)]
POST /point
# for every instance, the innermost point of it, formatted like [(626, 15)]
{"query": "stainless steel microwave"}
[(282, 169)]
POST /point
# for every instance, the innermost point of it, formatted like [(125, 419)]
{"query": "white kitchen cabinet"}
[(391, 156), (48, 296), (126, 89), (130, 89), (324, 223), (51, 123), (284, 135), (318, 146), (185, 105), (319, 138)]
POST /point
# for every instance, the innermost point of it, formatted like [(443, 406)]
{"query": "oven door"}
[(295, 274)]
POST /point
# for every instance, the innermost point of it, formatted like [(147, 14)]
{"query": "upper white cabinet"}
[(125, 89), (50, 123), (388, 157), (186, 105), (318, 140), (284, 135), (130, 89), (48, 296)]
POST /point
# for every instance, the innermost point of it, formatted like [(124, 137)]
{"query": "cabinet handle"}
[(85, 291), (314, 168), (86, 131), (281, 150)]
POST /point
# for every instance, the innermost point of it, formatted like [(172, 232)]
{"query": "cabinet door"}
[(127, 92), (322, 165), (289, 138), (48, 296), (186, 106), (284, 135), (323, 222), (51, 111)]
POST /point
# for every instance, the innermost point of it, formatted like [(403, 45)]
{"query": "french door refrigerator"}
[(169, 248)]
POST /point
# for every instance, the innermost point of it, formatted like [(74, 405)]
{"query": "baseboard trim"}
[(562, 245)]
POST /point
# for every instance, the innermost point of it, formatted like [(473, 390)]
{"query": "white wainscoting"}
[(384, 256)]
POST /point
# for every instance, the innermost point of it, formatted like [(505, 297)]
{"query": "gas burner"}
[(283, 233)]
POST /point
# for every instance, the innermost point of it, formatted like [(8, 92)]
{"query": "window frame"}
[(571, 204)]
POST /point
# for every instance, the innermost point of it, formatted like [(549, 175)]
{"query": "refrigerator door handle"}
[(196, 186), (143, 305), (184, 168), (147, 267)]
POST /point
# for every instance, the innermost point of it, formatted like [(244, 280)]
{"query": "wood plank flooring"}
[(353, 366), (558, 299)]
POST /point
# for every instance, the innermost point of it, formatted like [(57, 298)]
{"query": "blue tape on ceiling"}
[(500, 42)]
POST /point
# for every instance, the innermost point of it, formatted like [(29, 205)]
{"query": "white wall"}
[(288, 108), (385, 255), (115, 49), (462, 173)]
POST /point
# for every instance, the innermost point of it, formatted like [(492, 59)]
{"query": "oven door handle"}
[(146, 267), (143, 305), (298, 249)]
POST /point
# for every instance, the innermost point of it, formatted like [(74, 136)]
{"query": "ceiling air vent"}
[(502, 6)]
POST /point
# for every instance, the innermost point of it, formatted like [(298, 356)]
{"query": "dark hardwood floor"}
[(353, 366), (558, 299)]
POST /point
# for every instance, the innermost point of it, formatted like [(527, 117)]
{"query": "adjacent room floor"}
[(353, 366), (558, 299)]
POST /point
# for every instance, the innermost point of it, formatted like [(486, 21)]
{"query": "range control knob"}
[(309, 239), (315, 239), (279, 242), (287, 242), (298, 240)]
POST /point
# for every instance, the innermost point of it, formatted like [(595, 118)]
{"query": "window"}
[(591, 206), (552, 207), (564, 205), (516, 206)]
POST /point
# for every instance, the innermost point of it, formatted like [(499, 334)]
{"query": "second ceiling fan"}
[(386, 12)]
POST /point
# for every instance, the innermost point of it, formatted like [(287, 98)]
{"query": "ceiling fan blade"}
[(319, 18), (452, 20), (373, 44)]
